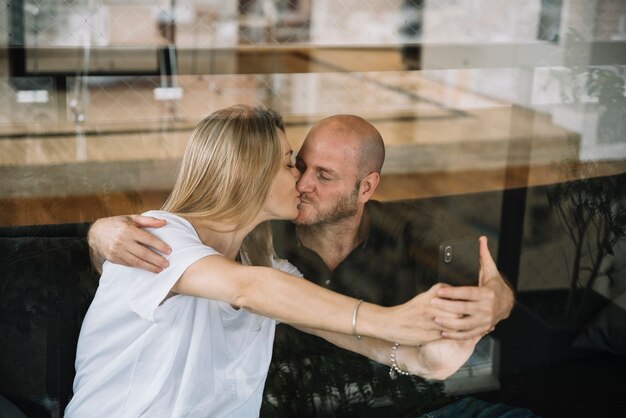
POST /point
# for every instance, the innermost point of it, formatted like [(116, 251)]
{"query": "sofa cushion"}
[(46, 286), (607, 330)]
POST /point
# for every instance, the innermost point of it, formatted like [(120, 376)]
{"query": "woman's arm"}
[(298, 302), (433, 360)]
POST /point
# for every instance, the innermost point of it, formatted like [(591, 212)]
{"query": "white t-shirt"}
[(185, 357)]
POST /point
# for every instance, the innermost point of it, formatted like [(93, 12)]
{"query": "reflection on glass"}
[(473, 99), (550, 21)]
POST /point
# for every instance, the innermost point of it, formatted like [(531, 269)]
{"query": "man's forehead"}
[(326, 147), (325, 142)]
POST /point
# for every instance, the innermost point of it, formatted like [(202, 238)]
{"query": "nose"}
[(304, 183)]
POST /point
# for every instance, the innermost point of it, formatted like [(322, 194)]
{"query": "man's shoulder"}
[(400, 212), (390, 216), (405, 223)]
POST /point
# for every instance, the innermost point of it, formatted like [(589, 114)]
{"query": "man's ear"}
[(368, 186)]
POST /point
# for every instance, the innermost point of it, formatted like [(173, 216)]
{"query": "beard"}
[(346, 207)]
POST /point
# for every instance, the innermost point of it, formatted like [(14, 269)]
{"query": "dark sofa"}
[(46, 286), (551, 365)]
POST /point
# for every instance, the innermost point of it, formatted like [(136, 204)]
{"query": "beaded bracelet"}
[(354, 314), (394, 364)]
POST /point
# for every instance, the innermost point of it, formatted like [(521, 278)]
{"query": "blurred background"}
[(98, 97)]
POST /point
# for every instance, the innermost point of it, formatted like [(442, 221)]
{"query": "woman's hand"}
[(413, 322)]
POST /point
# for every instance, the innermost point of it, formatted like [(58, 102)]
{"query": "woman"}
[(196, 339)]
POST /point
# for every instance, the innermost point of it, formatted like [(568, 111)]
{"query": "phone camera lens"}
[(447, 254)]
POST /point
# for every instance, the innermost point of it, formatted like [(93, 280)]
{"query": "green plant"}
[(608, 87), (593, 213)]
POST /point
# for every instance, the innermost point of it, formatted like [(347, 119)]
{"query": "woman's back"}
[(186, 356)]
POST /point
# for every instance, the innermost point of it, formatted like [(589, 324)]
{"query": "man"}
[(362, 248)]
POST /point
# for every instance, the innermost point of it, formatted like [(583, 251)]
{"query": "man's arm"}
[(481, 307), (121, 240), (433, 360)]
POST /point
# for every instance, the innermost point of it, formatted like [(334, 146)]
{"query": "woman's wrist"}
[(370, 321), (355, 315)]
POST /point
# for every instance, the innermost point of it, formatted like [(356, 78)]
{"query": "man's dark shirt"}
[(311, 377)]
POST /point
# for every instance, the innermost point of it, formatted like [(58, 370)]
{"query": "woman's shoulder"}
[(178, 232), (174, 222), (168, 216), (286, 266)]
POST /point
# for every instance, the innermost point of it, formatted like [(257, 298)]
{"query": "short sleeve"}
[(148, 289), (286, 267)]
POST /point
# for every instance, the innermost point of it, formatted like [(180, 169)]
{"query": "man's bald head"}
[(360, 134), (339, 163)]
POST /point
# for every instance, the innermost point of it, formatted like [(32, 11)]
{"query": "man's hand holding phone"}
[(480, 307), (459, 262)]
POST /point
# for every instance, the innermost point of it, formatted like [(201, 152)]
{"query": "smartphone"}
[(459, 262)]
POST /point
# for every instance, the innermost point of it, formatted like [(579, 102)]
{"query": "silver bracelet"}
[(394, 363), (354, 314)]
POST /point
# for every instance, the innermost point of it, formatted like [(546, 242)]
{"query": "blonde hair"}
[(227, 171)]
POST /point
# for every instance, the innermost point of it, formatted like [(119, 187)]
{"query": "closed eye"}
[(322, 176)]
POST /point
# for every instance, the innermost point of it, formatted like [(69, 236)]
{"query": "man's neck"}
[(333, 242)]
